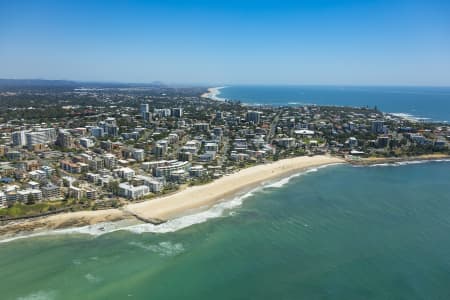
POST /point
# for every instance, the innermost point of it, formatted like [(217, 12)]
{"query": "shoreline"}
[(175, 205), (170, 207), (213, 93), (370, 161), (165, 208)]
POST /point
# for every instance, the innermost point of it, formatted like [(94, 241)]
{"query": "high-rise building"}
[(145, 112), (253, 117), (162, 112), (378, 127), (97, 132), (139, 154), (177, 112), (64, 139), (18, 138), (41, 136), (110, 127)]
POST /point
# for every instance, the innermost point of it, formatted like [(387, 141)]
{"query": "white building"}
[(41, 136), (144, 110), (352, 142), (163, 112), (286, 142), (18, 138), (197, 171), (133, 192), (139, 154), (154, 185), (29, 194), (109, 160), (3, 202), (174, 166), (86, 143), (211, 147), (125, 173), (51, 192)]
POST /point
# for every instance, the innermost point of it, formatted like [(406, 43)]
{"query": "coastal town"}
[(73, 148)]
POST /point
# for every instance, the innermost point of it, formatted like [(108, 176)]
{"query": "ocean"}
[(338, 232), (428, 103)]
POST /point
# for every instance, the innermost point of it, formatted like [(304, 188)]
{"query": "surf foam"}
[(221, 209)]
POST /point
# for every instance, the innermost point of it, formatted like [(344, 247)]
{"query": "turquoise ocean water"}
[(431, 103), (339, 232)]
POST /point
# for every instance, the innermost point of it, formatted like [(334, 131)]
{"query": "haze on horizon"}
[(228, 42)]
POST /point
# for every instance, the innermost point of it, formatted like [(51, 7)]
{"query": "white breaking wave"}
[(39, 295), (410, 162), (286, 180), (221, 209), (163, 248), (94, 230), (410, 117), (92, 278), (213, 212)]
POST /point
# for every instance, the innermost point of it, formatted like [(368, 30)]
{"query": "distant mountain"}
[(32, 84)]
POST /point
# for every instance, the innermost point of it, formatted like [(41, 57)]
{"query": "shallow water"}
[(341, 232)]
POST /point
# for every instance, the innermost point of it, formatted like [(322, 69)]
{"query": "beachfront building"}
[(29, 195), (167, 170), (51, 192), (286, 142), (352, 142), (197, 171), (154, 185), (133, 192)]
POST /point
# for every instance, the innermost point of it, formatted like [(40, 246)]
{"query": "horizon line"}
[(200, 84)]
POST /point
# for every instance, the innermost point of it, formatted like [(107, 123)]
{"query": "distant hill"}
[(43, 84)]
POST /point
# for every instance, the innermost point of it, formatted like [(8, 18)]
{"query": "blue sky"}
[(228, 42)]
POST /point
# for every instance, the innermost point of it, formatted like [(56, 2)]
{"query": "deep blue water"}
[(421, 102)]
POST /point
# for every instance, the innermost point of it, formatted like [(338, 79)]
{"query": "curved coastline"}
[(213, 93), (172, 212), (173, 206)]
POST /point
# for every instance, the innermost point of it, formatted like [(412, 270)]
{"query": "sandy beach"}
[(63, 220), (180, 203), (213, 93), (205, 195)]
